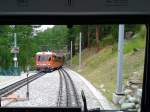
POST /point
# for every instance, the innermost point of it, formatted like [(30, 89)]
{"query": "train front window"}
[(43, 58), (103, 62)]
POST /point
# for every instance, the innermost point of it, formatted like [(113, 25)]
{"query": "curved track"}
[(68, 95)]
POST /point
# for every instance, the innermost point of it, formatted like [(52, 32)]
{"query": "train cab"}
[(46, 61)]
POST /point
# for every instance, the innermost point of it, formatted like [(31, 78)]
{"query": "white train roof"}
[(47, 53)]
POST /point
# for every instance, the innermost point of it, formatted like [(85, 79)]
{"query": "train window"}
[(49, 59), (43, 58), (39, 58)]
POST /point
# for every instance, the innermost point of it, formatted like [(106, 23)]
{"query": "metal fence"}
[(11, 71)]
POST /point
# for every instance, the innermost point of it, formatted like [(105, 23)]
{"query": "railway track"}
[(17, 85), (67, 95)]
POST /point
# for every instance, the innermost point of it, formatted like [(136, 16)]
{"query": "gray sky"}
[(41, 29), (44, 27)]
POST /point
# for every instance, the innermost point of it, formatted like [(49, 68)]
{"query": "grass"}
[(101, 68)]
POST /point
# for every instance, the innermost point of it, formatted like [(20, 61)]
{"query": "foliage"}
[(57, 38)]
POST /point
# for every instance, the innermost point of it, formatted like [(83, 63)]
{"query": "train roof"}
[(48, 53)]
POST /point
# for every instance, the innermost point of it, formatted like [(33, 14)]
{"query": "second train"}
[(48, 61)]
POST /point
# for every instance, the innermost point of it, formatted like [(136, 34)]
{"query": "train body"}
[(46, 61)]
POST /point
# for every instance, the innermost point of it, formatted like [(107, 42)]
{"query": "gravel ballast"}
[(44, 92)]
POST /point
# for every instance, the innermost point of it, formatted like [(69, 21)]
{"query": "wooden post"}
[(97, 37), (80, 48)]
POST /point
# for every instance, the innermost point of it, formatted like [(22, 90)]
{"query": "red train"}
[(46, 61)]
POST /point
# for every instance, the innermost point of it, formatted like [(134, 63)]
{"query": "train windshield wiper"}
[(97, 109)]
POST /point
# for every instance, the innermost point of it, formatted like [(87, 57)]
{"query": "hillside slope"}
[(101, 68)]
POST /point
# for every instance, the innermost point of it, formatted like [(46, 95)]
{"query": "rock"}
[(126, 101), (132, 110), (128, 96), (127, 105), (137, 106), (127, 83), (139, 93), (116, 98), (132, 99), (122, 100), (102, 86), (129, 34), (139, 110), (136, 81), (134, 86), (138, 100), (127, 91)]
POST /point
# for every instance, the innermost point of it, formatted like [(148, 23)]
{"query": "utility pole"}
[(120, 59), (15, 49), (15, 54), (80, 49), (71, 52), (118, 94)]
